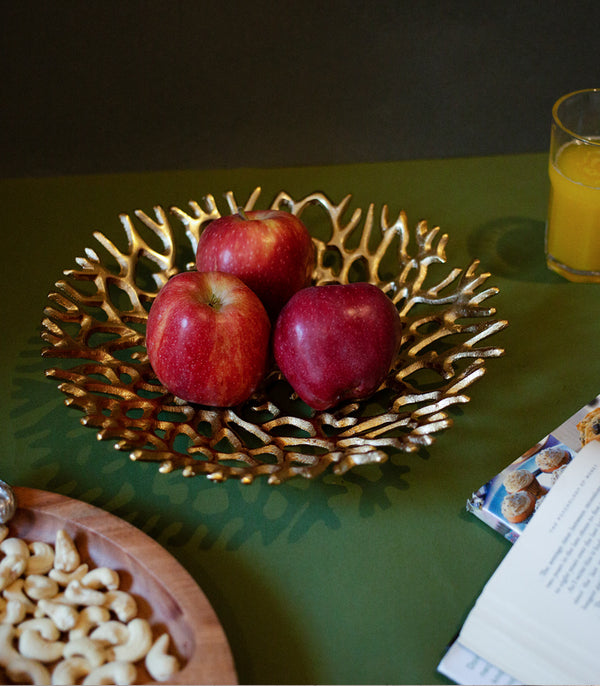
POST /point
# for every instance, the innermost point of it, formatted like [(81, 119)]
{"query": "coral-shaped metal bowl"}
[(95, 324)]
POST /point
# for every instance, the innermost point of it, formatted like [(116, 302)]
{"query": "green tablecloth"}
[(361, 578)]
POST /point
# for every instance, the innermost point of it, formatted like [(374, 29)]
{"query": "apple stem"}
[(215, 302), (242, 214)]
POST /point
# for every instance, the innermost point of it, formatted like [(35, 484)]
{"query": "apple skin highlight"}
[(336, 342)]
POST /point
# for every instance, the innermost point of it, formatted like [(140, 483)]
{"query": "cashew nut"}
[(101, 577), (64, 616), (76, 594), (122, 673), (111, 633), (89, 617), (65, 578), (41, 558), (68, 672), (139, 642), (85, 647), (33, 645), (39, 586), (13, 612), (7, 652), (20, 669), (43, 625), (160, 665), (11, 568), (66, 555), (15, 592), (15, 546), (24, 670), (3, 532), (122, 604)]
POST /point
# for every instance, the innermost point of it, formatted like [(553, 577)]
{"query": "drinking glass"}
[(573, 225)]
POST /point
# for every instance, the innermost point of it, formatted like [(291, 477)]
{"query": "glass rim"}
[(558, 122)]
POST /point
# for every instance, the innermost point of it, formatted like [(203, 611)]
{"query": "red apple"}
[(271, 251), (336, 342), (207, 338)]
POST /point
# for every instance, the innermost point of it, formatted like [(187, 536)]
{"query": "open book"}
[(537, 620)]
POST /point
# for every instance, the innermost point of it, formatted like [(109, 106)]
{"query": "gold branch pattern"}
[(94, 324)]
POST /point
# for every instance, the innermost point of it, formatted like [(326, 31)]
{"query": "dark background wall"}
[(96, 86)]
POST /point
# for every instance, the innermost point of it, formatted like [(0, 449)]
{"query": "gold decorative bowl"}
[(95, 324)]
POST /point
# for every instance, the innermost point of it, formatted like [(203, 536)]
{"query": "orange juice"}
[(573, 235)]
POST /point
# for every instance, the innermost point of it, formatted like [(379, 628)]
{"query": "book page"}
[(538, 618), (464, 667)]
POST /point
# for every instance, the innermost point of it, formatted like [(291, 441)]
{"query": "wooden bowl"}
[(166, 594)]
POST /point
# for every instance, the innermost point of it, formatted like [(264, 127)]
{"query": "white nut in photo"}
[(65, 578), (33, 645), (111, 633), (68, 672), (24, 670), (122, 604), (85, 647), (13, 612), (66, 555), (11, 568), (15, 546), (43, 625), (76, 594), (15, 592), (38, 586), (139, 642), (161, 666), (89, 618), (8, 653), (41, 559), (122, 673), (102, 577), (64, 616)]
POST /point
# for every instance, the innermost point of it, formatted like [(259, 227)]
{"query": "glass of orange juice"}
[(573, 226)]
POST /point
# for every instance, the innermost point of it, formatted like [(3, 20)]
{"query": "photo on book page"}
[(509, 500)]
